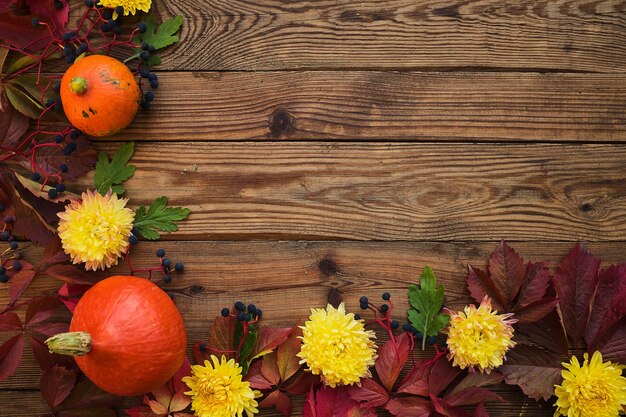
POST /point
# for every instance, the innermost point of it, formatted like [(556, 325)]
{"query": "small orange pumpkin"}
[(100, 95)]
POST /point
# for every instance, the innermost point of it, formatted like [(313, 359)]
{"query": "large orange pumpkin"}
[(127, 335), (100, 95)]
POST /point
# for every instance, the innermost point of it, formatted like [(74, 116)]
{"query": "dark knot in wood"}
[(328, 266), (281, 123), (334, 297)]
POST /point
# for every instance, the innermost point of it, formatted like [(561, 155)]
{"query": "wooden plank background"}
[(332, 148)]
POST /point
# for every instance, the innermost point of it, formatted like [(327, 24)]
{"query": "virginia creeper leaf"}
[(56, 383), (446, 409), (536, 310), (158, 217), (278, 400), (41, 309), (391, 360), (547, 333), (506, 269), (302, 384), (536, 283), (427, 301), (269, 338), (416, 380), (369, 394), (481, 411), (442, 374), (471, 396), (288, 362), (20, 281), (532, 369), (269, 368), (409, 407), (476, 379), (110, 174), (480, 285), (23, 102), (10, 355), (10, 321), (256, 378), (613, 343), (608, 306)]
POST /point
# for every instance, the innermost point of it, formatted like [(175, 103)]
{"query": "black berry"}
[(133, 240), (89, 3), (145, 72), (151, 48), (3, 270), (53, 193), (5, 235), (166, 263), (251, 308), (364, 306), (386, 296), (179, 267), (9, 219), (17, 265), (202, 347), (144, 46), (259, 312), (142, 27), (36, 176), (66, 37), (357, 317), (363, 300), (35, 23), (241, 316), (63, 168), (225, 312), (167, 279), (144, 55), (384, 308), (13, 245), (58, 4), (59, 138), (60, 188), (394, 324), (149, 96), (74, 134), (431, 340), (239, 306), (406, 327), (160, 253), (4, 278), (152, 76), (154, 84), (119, 10)]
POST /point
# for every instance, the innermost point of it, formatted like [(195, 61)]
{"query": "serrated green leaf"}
[(110, 174), (164, 35), (158, 217), (427, 301)]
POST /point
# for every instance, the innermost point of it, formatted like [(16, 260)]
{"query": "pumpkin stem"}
[(71, 343), (78, 85)]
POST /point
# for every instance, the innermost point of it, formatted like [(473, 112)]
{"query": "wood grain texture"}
[(286, 279), (373, 105), (402, 191), (253, 35)]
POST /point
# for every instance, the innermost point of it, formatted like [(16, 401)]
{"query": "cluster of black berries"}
[(243, 312), (110, 24), (12, 253), (148, 97), (407, 327), (384, 308), (166, 263), (70, 48)]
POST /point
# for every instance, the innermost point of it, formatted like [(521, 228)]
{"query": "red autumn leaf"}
[(547, 332), (268, 339), (49, 329), (446, 409), (73, 274), (536, 283), (409, 407), (575, 282), (10, 355), (10, 321), (506, 269), (19, 31), (179, 402), (37, 196), (53, 253), (302, 384), (69, 294), (278, 400), (41, 309), (308, 410), (471, 396), (20, 281), (613, 344), (87, 395), (162, 395), (534, 370), (222, 337), (80, 162), (288, 362), (481, 411), (416, 380), (200, 355), (334, 402), (269, 368), (29, 222), (442, 374), (13, 124), (56, 383), (139, 412), (476, 379), (46, 360), (391, 360), (609, 306), (480, 285), (256, 378), (536, 310), (47, 9), (177, 379), (156, 407), (369, 394)]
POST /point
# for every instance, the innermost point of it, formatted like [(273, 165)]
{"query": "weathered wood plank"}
[(405, 191), (252, 35), (375, 105), (285, 279)]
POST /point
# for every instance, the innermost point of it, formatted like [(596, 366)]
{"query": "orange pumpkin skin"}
[(100, 95), (138, 336)]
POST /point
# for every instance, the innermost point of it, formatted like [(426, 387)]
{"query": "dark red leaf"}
[(80, 162), (222, 336), (480, 285), (70, 294), (613, 343), (536, 282), (269, 368), (506, 270), (534, 370), (608, 306), (179, 402), (391, 360), (308, 410), (13, 124), (73, 274), (416, 380), (370, 394), (53, 253), (280, 401), (41, 309), (471, 396), (200, 355), (185, 370), (446, 409), (32, 192), (139, 412), (288, 362), (256, 378), (46, 360), (575, 282), (87, 395), (409, 407), (268, 339), (46, 9), (49, 329), (19, 31), (537, 310), (441, 375), (10, 321), (56, 383), (20, 281), (29, 222), (476, 379), (302, 384), (547, 333), (11, 355), (481, 411), (334, 402)]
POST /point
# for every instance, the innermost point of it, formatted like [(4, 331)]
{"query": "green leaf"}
[(164, 35), (26, 60), (23, 102), (28, 82), (157, 218), (427, 300), (110, 174)]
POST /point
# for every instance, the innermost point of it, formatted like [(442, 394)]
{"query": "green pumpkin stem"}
[(78, 85), (71, 343)]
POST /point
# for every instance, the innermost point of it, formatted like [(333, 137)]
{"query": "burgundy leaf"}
[(506, 269), (20, 281), (11, 355), (269, 368), (80, 162), (471, 396), (480, 285), (87, 395), (280, 401), (534, 370), (177, 379), (10, 321), (536, 283), (36, 196), (613, 343), (308, 410), (537, 310), (53, 253), (47, 10), (139, 412), (416, 380), (18, 31), (608, 306), (446, 409), (73, 274), (50, 329), (370, 394), (13, 124), (288, 362), (575, 282), (156, 407), (391, 360), (481, 411), (476, 379), (200, 355), (56, 383), (70, 294), (222, 336), (302, 384), (41, 309), (268, 339), (409, 407), (256, 378), (441, 375), (547, 333), (334, 402), (29, 222), (46, 360)]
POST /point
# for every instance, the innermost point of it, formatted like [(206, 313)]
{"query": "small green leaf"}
[(110, 174), (23, 102), (26, 60), (157, 218), (164, 35), (427, 301), (28, 82)]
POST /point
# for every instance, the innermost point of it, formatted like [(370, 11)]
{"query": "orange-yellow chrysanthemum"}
[(130, 6), (337, 347), (595, 389), (478, 338), (96, 230), (217, 390)]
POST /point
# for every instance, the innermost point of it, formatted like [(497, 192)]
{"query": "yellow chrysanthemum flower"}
[(218, 391), (337, 347), (595, 389), (96, 230), (479, 338), (130, 6)]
